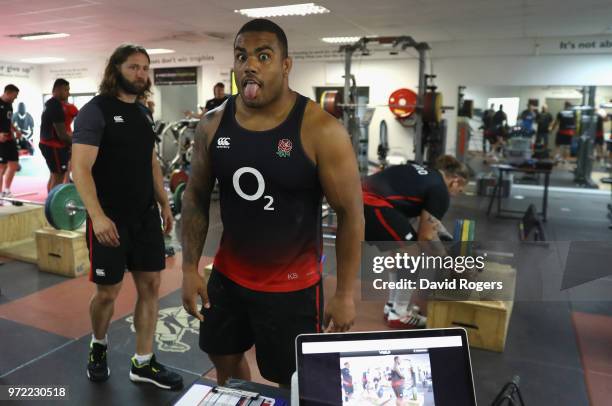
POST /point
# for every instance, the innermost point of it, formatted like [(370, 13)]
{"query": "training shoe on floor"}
[(97, 369), (155, 373), (388, 307), (409, 320)]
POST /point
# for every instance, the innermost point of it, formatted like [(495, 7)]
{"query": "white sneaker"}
[(411, 319), (388, 308)]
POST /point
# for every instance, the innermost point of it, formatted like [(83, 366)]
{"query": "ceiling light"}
[(280, 11), (43, 59), (158, 51), (42, 35), (340, 40)]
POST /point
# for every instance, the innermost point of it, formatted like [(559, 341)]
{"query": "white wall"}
[(28, 79)]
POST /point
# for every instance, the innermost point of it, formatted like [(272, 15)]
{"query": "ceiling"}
[(208, 26)]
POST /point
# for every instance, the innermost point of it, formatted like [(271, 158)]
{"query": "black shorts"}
[(142, 249), (387, 224), (599, 140), (240, 317), (398, 390), (8, 152), (57, 158), (563, 139)]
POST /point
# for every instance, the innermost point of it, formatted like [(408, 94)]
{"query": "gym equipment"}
[(178, 197), (349, 106), (178, 176), (402, 102), (464, 230), (530, 226), (518, 149), (586, 118), (178, 135), (510, 394), (432, 107), (330, 102), (383, 145), (64, 208)]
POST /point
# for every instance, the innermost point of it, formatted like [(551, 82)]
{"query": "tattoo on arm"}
[(196, 201)]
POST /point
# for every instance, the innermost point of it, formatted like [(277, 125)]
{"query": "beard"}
[(135, 88)]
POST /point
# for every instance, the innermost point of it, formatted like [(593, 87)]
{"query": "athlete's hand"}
[(194, 285), (167, 218), (105, 231), (4, 137), (339, 314)]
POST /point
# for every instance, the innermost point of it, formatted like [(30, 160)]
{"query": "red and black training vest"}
[(270, 198)]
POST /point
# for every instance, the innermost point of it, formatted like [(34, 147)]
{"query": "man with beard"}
[(55, 138), (120, 182), (275, 154)]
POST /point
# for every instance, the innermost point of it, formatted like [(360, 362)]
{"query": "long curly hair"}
[(110, 82)]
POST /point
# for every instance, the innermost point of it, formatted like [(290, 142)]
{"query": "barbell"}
[(402, 103), (64, 208)]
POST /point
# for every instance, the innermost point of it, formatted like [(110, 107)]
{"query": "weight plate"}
[(465, 235), (178, 176), (178, 197), (472, 230), (402, 102), (48, 215), (458, 230), (330, 100), (432, 107), (61, 217)]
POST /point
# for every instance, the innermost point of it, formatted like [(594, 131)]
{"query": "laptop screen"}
[(415, 367)]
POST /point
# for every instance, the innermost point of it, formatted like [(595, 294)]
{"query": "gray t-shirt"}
[(89, 126)]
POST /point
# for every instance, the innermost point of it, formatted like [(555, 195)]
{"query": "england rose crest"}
[(284, 148)]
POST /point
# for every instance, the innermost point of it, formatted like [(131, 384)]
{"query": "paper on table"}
[(194, 395)]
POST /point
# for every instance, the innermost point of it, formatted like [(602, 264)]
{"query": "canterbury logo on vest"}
[(223, 142), (118, 119)]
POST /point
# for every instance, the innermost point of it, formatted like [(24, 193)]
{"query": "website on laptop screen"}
[(408, 371)]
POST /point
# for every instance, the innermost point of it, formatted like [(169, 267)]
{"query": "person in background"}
[(9, 158), (55, 139), (216, 101), (544, 119)]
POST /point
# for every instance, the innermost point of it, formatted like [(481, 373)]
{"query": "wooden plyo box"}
[(486, 321), (20, 222), (62, 252)]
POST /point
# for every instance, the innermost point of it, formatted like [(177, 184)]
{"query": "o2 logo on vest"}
[(261, 187)]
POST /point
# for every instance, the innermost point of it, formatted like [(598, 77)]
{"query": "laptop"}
[(421, 367)]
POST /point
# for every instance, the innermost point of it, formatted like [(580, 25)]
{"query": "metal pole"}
[(418, 136), (348, 55)]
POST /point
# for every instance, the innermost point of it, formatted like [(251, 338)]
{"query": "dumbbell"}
[(64, 208)]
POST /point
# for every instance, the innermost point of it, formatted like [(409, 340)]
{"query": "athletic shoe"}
[(155, 373), (97, 369), (411, 319), (388, 307)]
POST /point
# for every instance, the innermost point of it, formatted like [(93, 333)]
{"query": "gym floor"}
[(560, 350)]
